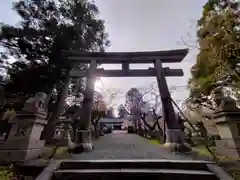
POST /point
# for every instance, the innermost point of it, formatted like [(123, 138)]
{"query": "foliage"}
[(219, 48), (99, 108), (139, 108), (122, 111), (2, 96), (24, 78), (144, 99), (6, 173), (134, 99), (46, 28), (99, 102), (110, 112), (98, 111)]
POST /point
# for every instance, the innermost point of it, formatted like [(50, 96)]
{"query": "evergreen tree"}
[(46, 28), (219, 41)]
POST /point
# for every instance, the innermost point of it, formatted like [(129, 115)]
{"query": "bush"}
[(6, 173)]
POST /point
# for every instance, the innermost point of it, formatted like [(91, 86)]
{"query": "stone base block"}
[(228, 147), (22, 144), (59, 142), (82, 143), (83, 136), (20, 149), (88, 147), (63, 142), (8, 156), (80, 148), (177, 147)]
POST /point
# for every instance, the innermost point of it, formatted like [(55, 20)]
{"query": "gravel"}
[(120, 145)]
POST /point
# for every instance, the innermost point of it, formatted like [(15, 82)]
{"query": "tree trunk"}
[(49, 129), (164, 131), (47, 100), (96, 131)]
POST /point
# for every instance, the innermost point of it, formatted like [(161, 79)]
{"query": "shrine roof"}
[(167, 56)]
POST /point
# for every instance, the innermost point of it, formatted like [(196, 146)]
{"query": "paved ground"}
[(120, 145)]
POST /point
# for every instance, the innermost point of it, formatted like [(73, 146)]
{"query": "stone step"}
[(165, 174), (156, 169), (136, 164)]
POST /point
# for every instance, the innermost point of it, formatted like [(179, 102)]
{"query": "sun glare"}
[(98, 85)]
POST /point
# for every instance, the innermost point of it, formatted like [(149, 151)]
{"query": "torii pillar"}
[(174, 135), (83, 137)]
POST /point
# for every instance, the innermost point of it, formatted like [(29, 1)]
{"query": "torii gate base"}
[(174, 136)]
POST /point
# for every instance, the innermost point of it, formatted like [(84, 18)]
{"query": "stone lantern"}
[(227, 119), (24, 142)]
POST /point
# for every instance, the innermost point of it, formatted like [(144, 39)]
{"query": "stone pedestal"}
[(24, 141), (228, 126), (61, 139), (84, 140), (175, 141)]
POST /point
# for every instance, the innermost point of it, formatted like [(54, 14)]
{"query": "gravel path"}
[(120, 145)]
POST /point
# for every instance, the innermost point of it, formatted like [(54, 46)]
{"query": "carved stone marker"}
[(24, 141)]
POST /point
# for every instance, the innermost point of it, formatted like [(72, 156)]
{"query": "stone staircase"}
[(154, 169)]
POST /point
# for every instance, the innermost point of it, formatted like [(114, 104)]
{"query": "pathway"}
[(120, 145), (123, 146)]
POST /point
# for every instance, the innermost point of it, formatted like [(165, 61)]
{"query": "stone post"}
[(24, 141), (174, 135), (228, 126)]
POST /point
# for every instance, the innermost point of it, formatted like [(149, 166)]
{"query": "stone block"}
[(229, 147), (19, 156)]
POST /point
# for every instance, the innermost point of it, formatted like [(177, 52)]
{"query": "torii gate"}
[(173, 133)]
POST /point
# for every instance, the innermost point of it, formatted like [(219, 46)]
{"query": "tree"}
[(219, 49), (122, 112), (138, 107), (134, 99), (48, 27), (110, 112), (142, 110), (145, 104), (99, 111)]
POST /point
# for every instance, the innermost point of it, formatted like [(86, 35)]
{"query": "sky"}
[(142, 25), (151, 25)]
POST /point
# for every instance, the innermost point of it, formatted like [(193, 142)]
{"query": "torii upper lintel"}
[(168, 56)]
